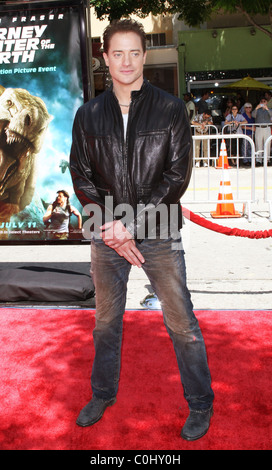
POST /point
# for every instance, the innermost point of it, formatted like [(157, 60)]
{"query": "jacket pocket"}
[(153, 132)]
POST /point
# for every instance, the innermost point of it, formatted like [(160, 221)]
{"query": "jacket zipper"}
[(125, 154), (125, 147), (124, 150)]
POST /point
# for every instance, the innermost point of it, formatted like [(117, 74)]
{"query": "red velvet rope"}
[(236, 232)]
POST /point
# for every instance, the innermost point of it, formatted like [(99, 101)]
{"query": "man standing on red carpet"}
[(131, 159)]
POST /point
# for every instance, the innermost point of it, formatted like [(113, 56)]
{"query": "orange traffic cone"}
[(225, 209), (222, 161)]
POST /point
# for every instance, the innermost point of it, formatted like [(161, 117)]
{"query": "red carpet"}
[(46, 358)]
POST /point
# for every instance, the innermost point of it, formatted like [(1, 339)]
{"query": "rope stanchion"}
[(235, 232)]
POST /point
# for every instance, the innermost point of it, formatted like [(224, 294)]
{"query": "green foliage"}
[(192, 12), (252, 7), (116, 9)]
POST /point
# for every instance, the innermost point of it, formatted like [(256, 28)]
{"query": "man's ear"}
[(145, 53), (105, 56)]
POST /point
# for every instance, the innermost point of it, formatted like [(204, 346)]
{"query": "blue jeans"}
[(165, 268)]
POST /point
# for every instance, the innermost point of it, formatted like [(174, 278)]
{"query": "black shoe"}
[(197, 424), (93, 411)]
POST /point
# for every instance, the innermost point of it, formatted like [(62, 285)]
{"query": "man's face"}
[(126, 59)]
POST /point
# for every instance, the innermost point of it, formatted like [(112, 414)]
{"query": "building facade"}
[(183, 59), (161, 67)]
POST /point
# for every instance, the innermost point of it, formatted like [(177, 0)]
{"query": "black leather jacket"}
[(151, 166)]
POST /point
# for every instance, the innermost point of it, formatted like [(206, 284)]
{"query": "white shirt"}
[(125, 119)]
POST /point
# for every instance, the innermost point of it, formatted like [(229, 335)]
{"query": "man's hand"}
[(115, 235), (130, 252)]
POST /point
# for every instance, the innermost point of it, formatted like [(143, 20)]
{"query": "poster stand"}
[(45, 75)]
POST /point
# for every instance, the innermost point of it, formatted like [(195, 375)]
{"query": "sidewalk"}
[(223, 272)]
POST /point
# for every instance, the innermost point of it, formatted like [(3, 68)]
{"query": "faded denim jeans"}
[(165, 268)]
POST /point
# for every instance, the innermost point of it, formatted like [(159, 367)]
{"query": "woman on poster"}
[(57, 217)]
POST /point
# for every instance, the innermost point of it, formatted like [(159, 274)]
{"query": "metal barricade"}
[(259, 132), (204, 151), (202, 187), (232, 143), (267, 189)]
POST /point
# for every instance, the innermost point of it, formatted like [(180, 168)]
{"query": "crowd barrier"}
[(250, 187), (212, 150), (267, 188), (253, 131)]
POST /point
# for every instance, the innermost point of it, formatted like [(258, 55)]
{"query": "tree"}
[(116, 9), (249, 9), (192, 12)]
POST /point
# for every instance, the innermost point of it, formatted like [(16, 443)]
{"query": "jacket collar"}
[(137, 94), (143, 90)]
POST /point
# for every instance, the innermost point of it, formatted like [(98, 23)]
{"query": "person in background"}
[(201, 124), (190, 106), (268, 97), (202, 105), (226, 109), (57, 217), (248, 130), (263, 119), (240, 102), (234, 121)]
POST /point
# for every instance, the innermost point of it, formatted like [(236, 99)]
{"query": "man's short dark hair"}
[(123, 26)]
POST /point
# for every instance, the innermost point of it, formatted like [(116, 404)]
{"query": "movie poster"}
[(41, 87)]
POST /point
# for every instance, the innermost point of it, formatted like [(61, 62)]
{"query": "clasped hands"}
[(116, 236)]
